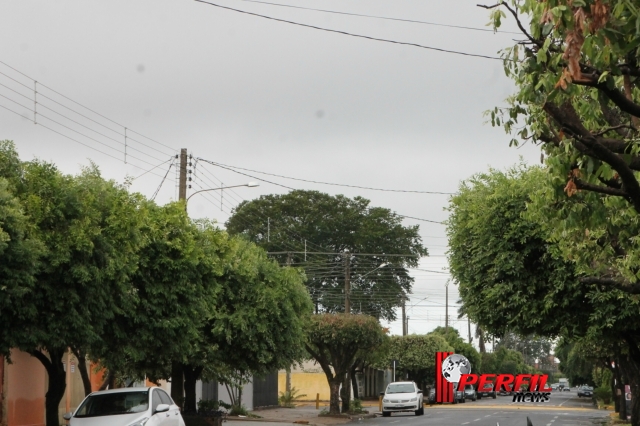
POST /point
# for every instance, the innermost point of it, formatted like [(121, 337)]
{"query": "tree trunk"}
[(287, 385), (57, 383), (84, 374), (191, 376), (354, 383), (616, 400), (334, 400), (177, 384), (632, 374), (620, 379), (346, 393), (107, 380)]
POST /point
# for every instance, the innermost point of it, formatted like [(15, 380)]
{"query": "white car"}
[(402, 397), (127, 407)]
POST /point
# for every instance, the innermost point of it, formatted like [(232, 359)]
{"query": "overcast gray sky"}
[(269, 96)]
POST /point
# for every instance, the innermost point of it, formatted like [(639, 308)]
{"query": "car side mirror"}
[(381, 393), (419, 391), (161, 408), (67, 416)]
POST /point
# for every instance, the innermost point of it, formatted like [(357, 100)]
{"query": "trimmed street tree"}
[(88, 227), (452, 337), (257, 322), (510, 271), (334, 341), (416, 356), (325, 223)]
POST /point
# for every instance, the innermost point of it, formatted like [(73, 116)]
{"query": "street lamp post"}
[(250, 185)]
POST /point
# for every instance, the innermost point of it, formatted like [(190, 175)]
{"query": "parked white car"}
[(127, 407), (402, 397)]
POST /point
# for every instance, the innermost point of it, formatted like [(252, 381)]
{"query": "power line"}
[(352, 34), (382, 17), (328, 183), (81, 105)]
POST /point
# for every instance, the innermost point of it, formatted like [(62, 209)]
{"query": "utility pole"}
[(182, 188), (177, 372), (404, 316), (469, 324), (446, 309), (347, 282), (288, 376)]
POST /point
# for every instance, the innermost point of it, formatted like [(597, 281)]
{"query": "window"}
[(401, 388), (155, 400), (109, 404), (166, 399)]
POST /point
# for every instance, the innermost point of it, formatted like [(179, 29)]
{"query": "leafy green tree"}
[(511, 271), (575, 364), (333, 224), (173, 291), (88, 228), (258, 321), (578, 96), (533, 348), (334, 340), (452, 336), (416, 356), (19, 257)]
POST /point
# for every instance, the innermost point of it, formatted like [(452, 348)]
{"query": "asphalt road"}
[(562, 409)]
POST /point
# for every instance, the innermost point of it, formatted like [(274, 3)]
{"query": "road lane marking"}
[(396, 421), (465, 423), (476, 420)]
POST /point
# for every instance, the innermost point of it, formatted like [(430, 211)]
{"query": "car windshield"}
[(109, 404), (401, 388)]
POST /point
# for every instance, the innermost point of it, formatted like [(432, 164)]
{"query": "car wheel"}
[(479, 396), (422, 411), (493, 396), (386, 413)]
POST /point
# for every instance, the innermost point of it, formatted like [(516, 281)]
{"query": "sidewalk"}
[(302, 412)]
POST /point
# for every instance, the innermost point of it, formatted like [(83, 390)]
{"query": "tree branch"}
[(48, 365), (568, 119), (609, 129), (515, 15), (600, 189), (610, 282)]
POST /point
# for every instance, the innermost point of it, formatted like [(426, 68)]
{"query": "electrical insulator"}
[(189, 178)]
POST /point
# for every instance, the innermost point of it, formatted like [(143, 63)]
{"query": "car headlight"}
[(385, 400), (140, 422), (413, 399)]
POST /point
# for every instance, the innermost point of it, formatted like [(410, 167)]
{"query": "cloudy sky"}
[(264, 95)]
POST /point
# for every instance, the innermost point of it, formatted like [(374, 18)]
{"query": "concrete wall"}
[(247, 395)]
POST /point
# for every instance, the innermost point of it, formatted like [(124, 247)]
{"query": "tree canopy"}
[(312, 221), (334, 341), (416, 356)]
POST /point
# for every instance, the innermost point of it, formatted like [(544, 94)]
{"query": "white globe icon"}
[(455, 366)]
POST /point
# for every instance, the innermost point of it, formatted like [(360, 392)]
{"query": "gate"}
[(265, 390)]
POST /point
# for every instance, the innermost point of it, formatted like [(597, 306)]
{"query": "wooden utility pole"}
[(177, 372), (404, 316), (182, 188), (347, 282), (287, 386), (446, 309)]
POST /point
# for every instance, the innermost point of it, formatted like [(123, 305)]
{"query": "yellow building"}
[(310, 380)]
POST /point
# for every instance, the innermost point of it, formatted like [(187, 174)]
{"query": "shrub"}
[(287, 398), (603, 393), (238, 410)]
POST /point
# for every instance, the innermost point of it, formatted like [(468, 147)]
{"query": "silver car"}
[(127, 407)]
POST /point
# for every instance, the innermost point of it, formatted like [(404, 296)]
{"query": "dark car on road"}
[(585, 391), (470, 393), (432, 396), (488, 394)]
